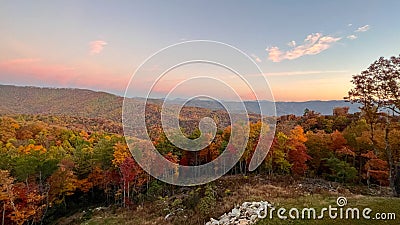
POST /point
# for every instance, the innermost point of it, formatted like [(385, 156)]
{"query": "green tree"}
[(340, 171), (277, 157), (319, 148)]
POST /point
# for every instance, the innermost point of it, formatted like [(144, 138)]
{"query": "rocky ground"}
[(247, 213), (235, 200)]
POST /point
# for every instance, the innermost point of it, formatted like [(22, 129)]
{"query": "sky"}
[(307, 50)]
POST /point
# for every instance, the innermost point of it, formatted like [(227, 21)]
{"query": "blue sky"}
[(307, 49)]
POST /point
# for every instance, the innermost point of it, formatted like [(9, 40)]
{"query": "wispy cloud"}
[(350, 24), (352, 37), (304, 72), (293, 73), (13, 62), (363, 28), (256, 58), (313, 44), (275, 54), (96, 46)]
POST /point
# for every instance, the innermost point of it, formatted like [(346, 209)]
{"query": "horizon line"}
[(178, 98)]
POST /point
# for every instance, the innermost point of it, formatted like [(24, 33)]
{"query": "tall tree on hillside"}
[(378, 88), (276, 160), (298, 151), (6, 196), (319, 147)]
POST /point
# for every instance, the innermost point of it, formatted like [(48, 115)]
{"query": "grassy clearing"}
[(377, 204), (234, 190)]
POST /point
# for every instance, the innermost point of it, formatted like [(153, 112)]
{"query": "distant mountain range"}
[(282, 108), (92, 104)]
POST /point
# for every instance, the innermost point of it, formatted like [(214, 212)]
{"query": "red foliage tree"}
[(298, 151)]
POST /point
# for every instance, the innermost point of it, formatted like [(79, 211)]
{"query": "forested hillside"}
[(59, 101), (49, 167)]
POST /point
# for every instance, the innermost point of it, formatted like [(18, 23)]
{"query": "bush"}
[(340, 171), (208, 202)]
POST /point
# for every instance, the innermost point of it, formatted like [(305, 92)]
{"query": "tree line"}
[(47, 169)]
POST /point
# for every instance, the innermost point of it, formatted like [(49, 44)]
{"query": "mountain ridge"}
[(88, 103)]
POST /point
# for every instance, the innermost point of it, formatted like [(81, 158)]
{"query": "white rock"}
[(236, 213), (224, 220), (214, 221), (245, 214)]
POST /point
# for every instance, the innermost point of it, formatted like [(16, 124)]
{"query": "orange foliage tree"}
[(298, 151)]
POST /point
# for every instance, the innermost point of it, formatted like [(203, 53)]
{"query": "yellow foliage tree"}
[(121, 152)]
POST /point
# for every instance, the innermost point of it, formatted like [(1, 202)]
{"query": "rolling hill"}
[(59, 101), (92, 104)]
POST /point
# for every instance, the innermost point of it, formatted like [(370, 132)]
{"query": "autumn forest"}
[(55, 163)]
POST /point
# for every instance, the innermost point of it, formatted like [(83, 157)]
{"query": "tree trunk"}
[(373, 138), (360, 166), (124, 194), (4, 214), (389, 157), (129, 194), (397, 181)]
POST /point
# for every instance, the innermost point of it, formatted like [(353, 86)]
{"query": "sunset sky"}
[(308, 50)]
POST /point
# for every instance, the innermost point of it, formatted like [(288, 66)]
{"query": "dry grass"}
[(230, 191)]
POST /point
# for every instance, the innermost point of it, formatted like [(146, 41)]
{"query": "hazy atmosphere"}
[(308, 50)]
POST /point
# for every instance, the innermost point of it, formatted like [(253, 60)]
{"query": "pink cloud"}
[(313, 44), (275, 54), (97, 46), (34, 71), (28, 68), (20, 61)]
